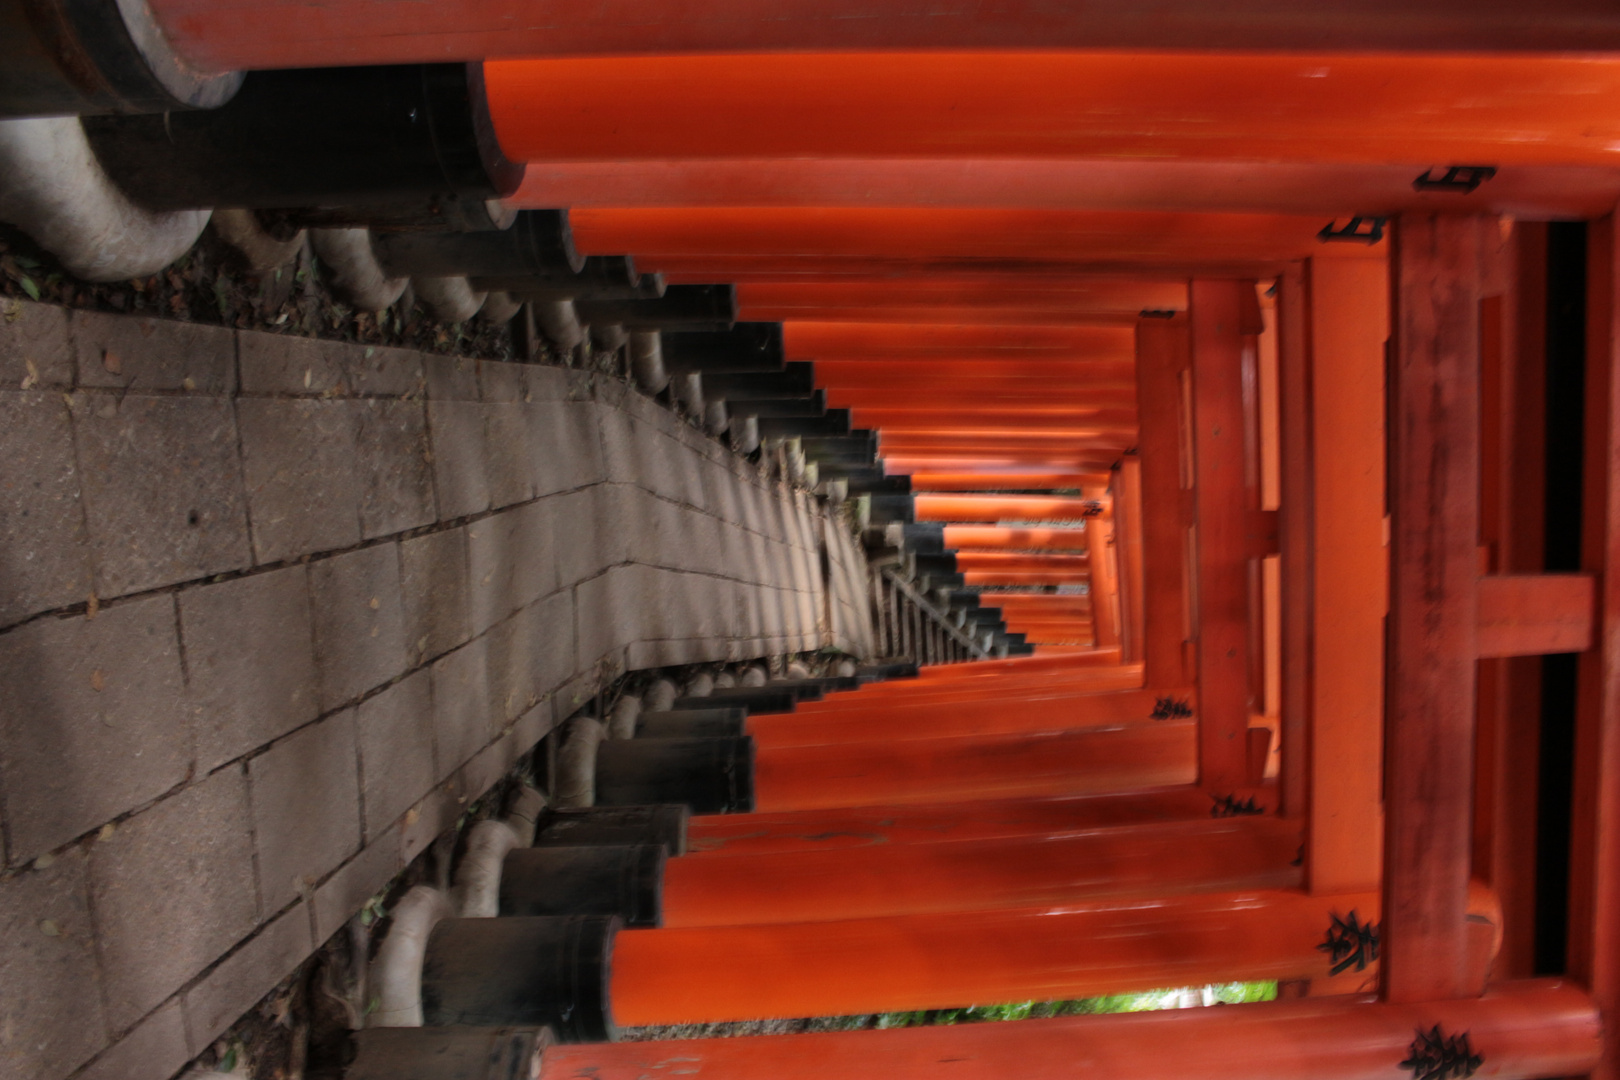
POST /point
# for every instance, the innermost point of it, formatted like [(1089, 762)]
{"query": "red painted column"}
[(892, 720), (1438, 264), (954, 769), (943, 960), (885, 826), (1163, 365), (1157, 860), (1191, 105), (221, 34), (1524, 1030), (1221, 330)]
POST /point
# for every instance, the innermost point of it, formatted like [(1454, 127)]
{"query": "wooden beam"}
[(1104, 552), (1535, 614), (1594, 912), (1513, 485), (1349, 311), (1221, 496), (1438, 267), (1127, 490), (1294, 523), (1162, 357)]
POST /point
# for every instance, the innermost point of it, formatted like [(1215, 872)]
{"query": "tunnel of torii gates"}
[(1261, 362)]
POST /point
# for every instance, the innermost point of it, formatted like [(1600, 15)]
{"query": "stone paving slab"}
[(273, 611), (359, 622), (44, 545), (250, 661), (95, 719), (173, 889), (163, 488)]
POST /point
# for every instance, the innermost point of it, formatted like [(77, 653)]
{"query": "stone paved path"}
[(272, 610)]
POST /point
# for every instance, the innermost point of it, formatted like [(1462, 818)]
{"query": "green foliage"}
[(1224, 993)]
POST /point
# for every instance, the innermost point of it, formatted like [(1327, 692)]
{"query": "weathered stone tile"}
[(507, 464), (396, 750), (460, 705), (293, 364), (564, 445), (250, 661), (544, 382), (511, 562), (35, 349), (387, 372), (436, 594), (607, 619), (93, 721), (162, 489), (304, 489), (359, 622), (580, 689), (48, 972), (358, 880), (553, 637), (499, 381), (172, 889), (530, 728), (512, 649), (451, 378), (486, 768), (245, 976), (391, 456), (44, 550), (616, 432), (595, 528), (489, 570), (129, 352), (306, 808), (154, 1050), (423, 823), (460, 476), (653, 654)]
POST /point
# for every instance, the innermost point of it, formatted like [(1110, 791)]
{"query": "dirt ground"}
[(209, 285)]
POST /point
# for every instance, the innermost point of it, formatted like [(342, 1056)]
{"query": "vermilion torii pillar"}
[(827, 341), (301, 33), (883, 826), (1354, 108), (941, 960), (1439, 264), (1523, 1030), (890, 720), (1076, 762), (1163, 358), (1056, 869), (1224, 321)]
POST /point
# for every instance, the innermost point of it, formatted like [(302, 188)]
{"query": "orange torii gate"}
[(1207, 106), (213, 37)]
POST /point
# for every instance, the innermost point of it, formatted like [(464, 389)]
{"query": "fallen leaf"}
[(411, 815), (309, 375), (44, 862), (49, 928), (97, 680), (112, 362), (189, 383), (106, 832), (31, 380), (92, 608), (375, 604)]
